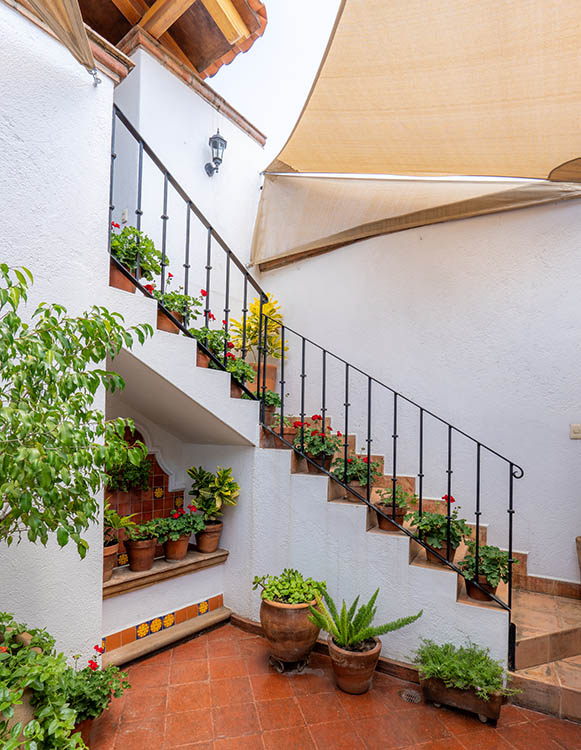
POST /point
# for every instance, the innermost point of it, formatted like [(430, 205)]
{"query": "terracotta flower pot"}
[(118, 279), (109, 560), (209, 539), (268, 415), (84, 727), (578, 541), (288, 630), (270, 381), (176, 550), (386, 525), (316, 469), (235, 389), (442, 550), (141, 553), (475, 593), (202, 360), (165, 324), (353, 669), (468, 700)]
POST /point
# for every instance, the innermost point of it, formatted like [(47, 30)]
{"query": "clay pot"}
[(270, 380), (268, 415), (141, 553), (386, 525), (235, 389), (578, 541), (165, 324), (84, 727), (475, 593), (109, 560), (288, 630), (118, 279), (202, 360), (209, 539), (468, 700), (176, 550), (442, 550), (316, 469), (353, 669)]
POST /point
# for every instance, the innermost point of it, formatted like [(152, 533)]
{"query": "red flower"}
[(230, 345), (349, 460), (316, 417), (99, 649), (445, 497), (230, 355), (192, 507), (170, 275), (211, 316), (114, 224), (148, 288), (224, 323), (93, 665), (203, 292), (365, 460), (3, 649), (307, 424), (175, 515), (297, 424), (338, 433)]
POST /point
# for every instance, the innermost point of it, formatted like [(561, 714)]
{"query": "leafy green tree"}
[(54, 443)]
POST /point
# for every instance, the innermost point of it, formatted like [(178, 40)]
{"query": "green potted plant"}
[(212, 492), (126, 246), (433, 528), (113, 523), (140, 543), (241, 372), (174, 532), (463, 677), (127, 474), (271, 402), (353, 471), (213, 339), (492, 569), (284, 616), (354, 646), (180, 305), (317, 445), (403, 502)]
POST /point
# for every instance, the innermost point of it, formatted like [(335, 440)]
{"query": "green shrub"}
[(403, 498), (289, 587), (434, 528), (493, 563), (90, 690), (130, 242), (127, 476), (355, 470), (212, 492), (143, 531)]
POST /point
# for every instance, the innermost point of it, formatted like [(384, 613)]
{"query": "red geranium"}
[(192, 507), (99, 649), (230, 355), (93, 665), (316, 417), (211, 316), (297, 424), (114, 224), (365, 460), (148, 288), (349, 460), (3, 649), (224, 323), (445, 497), (203, 292), (230, 345)]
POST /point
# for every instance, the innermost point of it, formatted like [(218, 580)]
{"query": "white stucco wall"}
[(54, 175), (477, 320)]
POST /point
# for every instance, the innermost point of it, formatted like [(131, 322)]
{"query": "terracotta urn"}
[(84, 727), (353, 669), (202, 360), (118, 279), (475, 593), (178, 549), (109, 560), (386, 525), (141, 553), (442, 551), (235, 389), (436, 691), (165, 324), (288, 630), (270, 381), (324, 460), (209, 539), (268, 415)]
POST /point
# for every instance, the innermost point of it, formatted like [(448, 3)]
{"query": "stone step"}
[(553, 687)]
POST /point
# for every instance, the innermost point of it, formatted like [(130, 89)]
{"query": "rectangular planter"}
[(436, 691)]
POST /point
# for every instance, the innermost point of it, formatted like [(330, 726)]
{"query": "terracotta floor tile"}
[(566, 733), (144, 702), (515, 715), (297, 738), (279, 714), (227, 667), (258, 664), (231, 690), (195, 649), (459, 722), (268, 687), (423, 724), (164, 657), (252, 646), (137, 735), (183, 672), (141, 675), (103, 733), (225, 647), (382, 732), (486, 739), (321, 707), (250, 742), (339, 735), (528, 736), (187, 728), (569, 674), (189, 697), (310, 682), (448, 743), (190, 746), (234, 721), (374, 703), (224, 632)]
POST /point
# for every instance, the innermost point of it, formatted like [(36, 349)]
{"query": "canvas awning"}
[(64, 19)]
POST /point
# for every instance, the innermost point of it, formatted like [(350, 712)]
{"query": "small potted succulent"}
[(126, 246), (354, 647), (284, 616), (140, 543), (174, 532), (463, 677), (320, 446), (403, 502), (211, 493), (492, 569), (113, 523), (180, 305), (354, 471), (433, 528)]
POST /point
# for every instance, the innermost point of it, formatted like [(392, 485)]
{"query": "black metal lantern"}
[(217, 144)]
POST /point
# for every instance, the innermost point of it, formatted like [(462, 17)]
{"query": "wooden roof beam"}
[(227, 19), (162, 14)]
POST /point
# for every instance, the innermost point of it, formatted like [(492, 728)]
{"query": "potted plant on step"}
[(354, 472), (320, 446), (242, 373), (211, 493), (354, 647), (180, 305), (140, 543), (284, 616), (433, 528), (403, 502), (492, 569), (174, 532), (271, 402), (126, 246), (463, 677), (213, 339), (113, 523)]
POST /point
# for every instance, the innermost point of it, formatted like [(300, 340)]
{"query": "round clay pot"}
[(268, 415), (118, 279), (165, 324), (442, 550), (475, 593), (386, 525), (288, 630), (84, 727), (353, 669), (316, 469), (141, 553), (209, 539), (235, 389), (202, 360), (176, 550), (270, 380), (109, 560)]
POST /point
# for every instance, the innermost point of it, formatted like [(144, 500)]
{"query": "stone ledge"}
[(125, 580)]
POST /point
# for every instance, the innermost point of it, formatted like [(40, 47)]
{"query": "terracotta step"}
[(553, 687)]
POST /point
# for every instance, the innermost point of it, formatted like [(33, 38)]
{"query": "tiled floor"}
[(537, 614), (217, 692)]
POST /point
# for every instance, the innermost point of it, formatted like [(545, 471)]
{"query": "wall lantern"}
[(217, 144)]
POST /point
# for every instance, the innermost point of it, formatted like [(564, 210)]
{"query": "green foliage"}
[(355, 470), (179, 523), (175, 300), (465, 667), (241, 371), (289, 587), (493, 563), (403, 498), (351, 629), (271, 308), (113, 523), (316, 442), (286, 421), (89, 691), (54, 445), (433, 527), (128, 243), (271, 398), (212, 492), (213, 339), (142, 531), (127, 475)]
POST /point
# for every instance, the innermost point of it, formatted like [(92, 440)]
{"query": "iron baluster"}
[(208, 279), (368, 441), (262, 393), (281, 380), (244, 314), (478, 512), (164, 218), (346, 405), (303, 376), (226, 307), (112, 178), (510, 522), (448, 500), (324, 391), (259, 363), (394, 468), (187, 258), (138, 211), (421, 466)]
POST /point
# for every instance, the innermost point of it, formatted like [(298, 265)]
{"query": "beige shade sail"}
[(445, 87), (64, 19)]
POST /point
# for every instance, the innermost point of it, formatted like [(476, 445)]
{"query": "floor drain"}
[(410, 696)]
